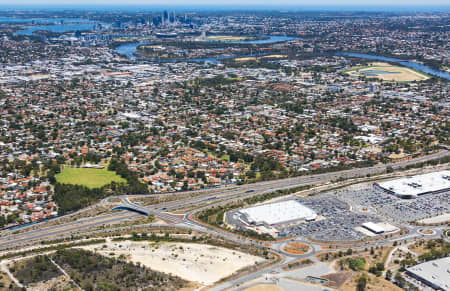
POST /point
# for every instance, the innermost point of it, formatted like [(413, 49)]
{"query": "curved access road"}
[(222, 196)]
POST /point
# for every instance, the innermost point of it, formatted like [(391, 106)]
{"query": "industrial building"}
[(411, 187), (276, 213), (435, 274)]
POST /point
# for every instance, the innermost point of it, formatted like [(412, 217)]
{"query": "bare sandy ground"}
[(57, 283), (201, 263)]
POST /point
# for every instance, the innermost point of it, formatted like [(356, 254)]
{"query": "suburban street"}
[(239, 147), (238, 192), (163, 210)]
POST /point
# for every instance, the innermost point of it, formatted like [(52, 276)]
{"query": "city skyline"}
[(231, 3), (239, 146)]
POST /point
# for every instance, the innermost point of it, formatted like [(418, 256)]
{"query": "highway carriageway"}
[(269, 186), (241, 191), (46, 232)]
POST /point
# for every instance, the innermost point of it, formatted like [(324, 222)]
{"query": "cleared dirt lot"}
[(201, 263)]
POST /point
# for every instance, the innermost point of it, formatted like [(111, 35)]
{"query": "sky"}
[(236, 3)]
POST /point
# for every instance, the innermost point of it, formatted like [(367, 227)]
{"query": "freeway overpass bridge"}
[(147, 211), (132, 208)]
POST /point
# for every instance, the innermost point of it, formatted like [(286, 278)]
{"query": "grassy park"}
[(387, 72), (229, 38), (91, 178), (246, 59)]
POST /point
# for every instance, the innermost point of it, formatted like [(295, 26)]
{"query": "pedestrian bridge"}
[(131, 208)]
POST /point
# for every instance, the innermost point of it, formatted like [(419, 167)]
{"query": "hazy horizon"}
[(230, 3), (199, 6)]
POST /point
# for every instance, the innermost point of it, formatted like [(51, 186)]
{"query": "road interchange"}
[(220, 197)]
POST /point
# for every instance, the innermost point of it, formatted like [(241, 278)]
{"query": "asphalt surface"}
[(218, 197), (225, 196)]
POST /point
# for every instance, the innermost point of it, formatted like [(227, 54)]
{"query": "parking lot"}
[(339, 213), (338, 223), (366, 197), (400, 210), (422, 207)]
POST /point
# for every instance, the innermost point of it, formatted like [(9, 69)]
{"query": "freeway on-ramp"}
[(215, 198), (238, 192)]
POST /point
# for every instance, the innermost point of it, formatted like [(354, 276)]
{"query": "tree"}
[(2, 221), (375, 271), (361, 285), (399, 280), (388, 275)]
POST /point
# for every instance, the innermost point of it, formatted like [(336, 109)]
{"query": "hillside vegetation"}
[(94, 272)]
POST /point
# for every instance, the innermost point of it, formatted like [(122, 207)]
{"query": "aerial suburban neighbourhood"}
[(169, 148)]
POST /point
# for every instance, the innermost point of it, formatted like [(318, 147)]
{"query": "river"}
[(410, 64), (59, 25), (45, 20), (129, 49), (59, 28)]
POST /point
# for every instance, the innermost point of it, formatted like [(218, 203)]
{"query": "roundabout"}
[(426, 231), (296, 248)]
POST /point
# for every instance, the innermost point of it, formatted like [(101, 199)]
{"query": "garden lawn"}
[(91, 178)]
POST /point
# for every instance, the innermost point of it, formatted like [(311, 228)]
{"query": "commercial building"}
[(276, 213), (375, 228), (411, 187), (435, 274)]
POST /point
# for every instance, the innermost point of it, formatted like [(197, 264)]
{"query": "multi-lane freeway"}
[(225, 196), (209, 199)]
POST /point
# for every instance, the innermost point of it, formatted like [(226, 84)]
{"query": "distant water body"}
[(413, 65), (129, 49), (59, 25), (41, 20), (58, 28), (367, 8)]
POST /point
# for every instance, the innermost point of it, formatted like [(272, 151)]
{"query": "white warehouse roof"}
[(420, 184), (373, 227), (437, 272), (275, 213)]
